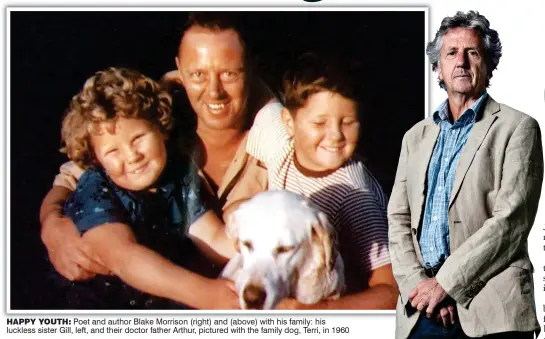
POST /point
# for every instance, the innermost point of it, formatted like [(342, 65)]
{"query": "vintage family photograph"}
[(195, 82)]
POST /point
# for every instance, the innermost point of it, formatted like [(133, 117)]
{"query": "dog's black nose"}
[(254, 296)]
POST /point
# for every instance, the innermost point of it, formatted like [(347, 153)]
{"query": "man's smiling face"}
[(212, 70)]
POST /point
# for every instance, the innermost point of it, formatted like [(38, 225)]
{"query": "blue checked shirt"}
[(435, 237)]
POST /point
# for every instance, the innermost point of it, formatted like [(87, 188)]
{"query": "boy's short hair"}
[(313, 73), (106, 96)]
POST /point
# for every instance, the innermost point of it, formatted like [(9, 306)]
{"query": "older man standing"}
[(464, 200), (213, 67)]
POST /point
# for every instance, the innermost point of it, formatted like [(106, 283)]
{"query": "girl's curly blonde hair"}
[(106, 96)]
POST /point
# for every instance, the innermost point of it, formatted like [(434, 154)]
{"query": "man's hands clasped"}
[(428, 296)]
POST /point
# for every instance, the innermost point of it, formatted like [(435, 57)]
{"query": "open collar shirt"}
[(435, 238)]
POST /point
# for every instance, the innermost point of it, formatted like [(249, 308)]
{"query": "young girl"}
[(309, 149), (136, 204)]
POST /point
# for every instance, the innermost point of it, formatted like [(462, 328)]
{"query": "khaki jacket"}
[(492, 207)]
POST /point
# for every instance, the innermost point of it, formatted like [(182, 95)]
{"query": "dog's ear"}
[(324, 235)]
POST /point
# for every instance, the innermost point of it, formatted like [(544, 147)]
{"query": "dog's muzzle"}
[(254, 296), (261, 286)]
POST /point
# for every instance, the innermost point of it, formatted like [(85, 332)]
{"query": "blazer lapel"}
[(430, 133), (476, 137)]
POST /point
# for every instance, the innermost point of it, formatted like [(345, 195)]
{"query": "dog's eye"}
[(283, 249), (248, 245)]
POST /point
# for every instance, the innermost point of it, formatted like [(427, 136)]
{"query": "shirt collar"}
[(442, 112)]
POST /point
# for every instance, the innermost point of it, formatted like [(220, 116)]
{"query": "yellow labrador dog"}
[(286, 249)]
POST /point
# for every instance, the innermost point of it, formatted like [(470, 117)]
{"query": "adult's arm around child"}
[(149, 272), (208, 234), (68, 254)]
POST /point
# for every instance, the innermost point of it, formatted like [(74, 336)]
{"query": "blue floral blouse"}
[(157, 218)]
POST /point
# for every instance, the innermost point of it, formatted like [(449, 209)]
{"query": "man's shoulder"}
[(419, 127), (270, 111), (428, 121), (513, 116)]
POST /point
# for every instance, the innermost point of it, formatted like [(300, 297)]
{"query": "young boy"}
[(308, 149), (136, 205)]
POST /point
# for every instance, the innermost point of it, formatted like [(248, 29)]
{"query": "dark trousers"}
[(428, 329)]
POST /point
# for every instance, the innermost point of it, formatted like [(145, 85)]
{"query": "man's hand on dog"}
[(427, 295)]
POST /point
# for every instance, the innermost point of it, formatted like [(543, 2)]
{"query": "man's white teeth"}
[(332, 149), (216, 106)]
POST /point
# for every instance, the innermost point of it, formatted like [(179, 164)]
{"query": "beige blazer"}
[(492, 208)]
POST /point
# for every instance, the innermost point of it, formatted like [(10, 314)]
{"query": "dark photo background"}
[(52, 53)]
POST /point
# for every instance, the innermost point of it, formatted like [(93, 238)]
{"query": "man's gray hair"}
[(481, 25)]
